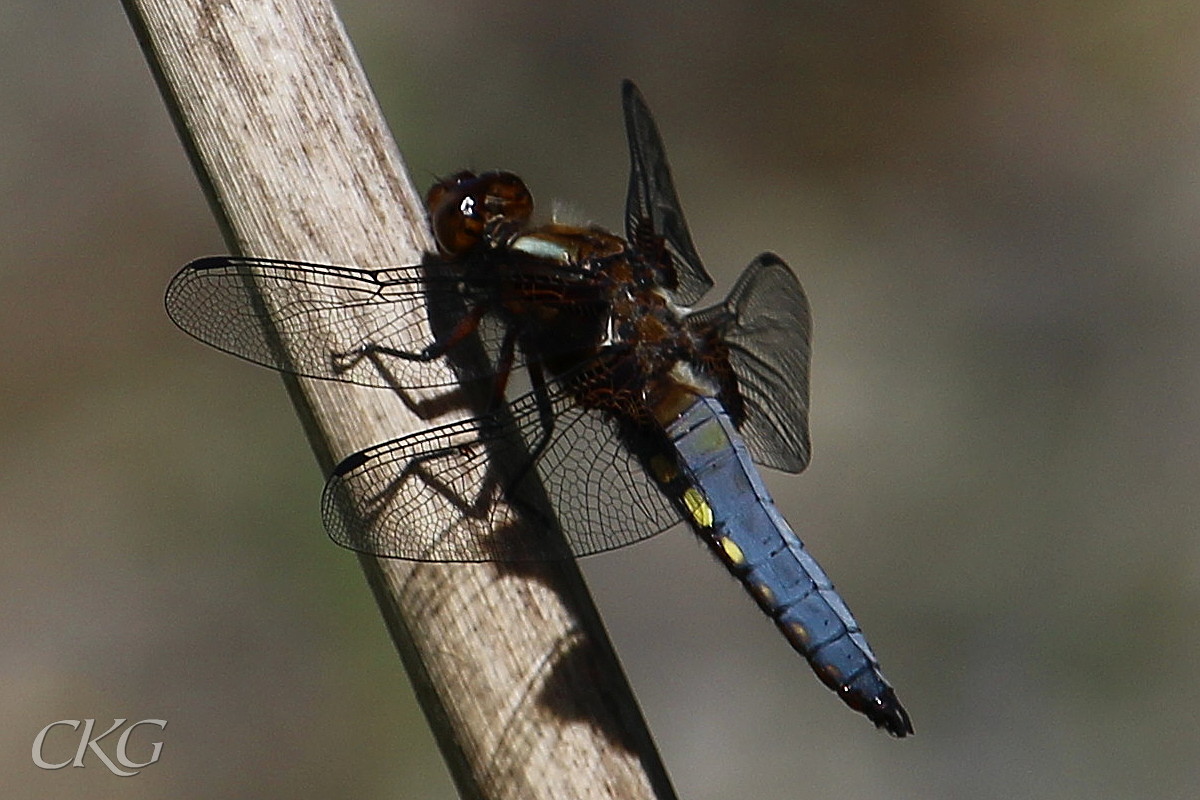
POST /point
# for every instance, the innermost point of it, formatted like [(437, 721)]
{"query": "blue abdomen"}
[(723, 497)]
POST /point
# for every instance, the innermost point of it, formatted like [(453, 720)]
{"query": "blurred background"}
[(993, 209)]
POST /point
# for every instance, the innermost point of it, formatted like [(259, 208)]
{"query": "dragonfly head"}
[(467, 210)]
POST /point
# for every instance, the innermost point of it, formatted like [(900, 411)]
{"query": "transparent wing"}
[(766, 324), (321, 321), (652, 207), (419, 497)]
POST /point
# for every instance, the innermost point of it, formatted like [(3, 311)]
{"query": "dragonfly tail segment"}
[(721, 494)]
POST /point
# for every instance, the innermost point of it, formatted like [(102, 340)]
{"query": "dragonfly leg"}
[(537, 378), (504, 365), (541, 393), (343, 362)]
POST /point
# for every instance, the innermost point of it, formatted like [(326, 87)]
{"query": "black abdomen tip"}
[(887, 713)]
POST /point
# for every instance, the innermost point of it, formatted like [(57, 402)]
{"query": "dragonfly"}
[(641, 412)]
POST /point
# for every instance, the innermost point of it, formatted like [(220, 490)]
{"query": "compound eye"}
[(467, 206), (454, 214), (507, 199), (468, 210)]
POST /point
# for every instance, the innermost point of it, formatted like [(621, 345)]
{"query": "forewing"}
[(420, 497), (652, 206), (315, 320), (766, 324)]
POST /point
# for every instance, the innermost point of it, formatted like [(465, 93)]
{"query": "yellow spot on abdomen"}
[(699, 509), (831, 676), (732, 551), (797, 633), (763, 593)]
